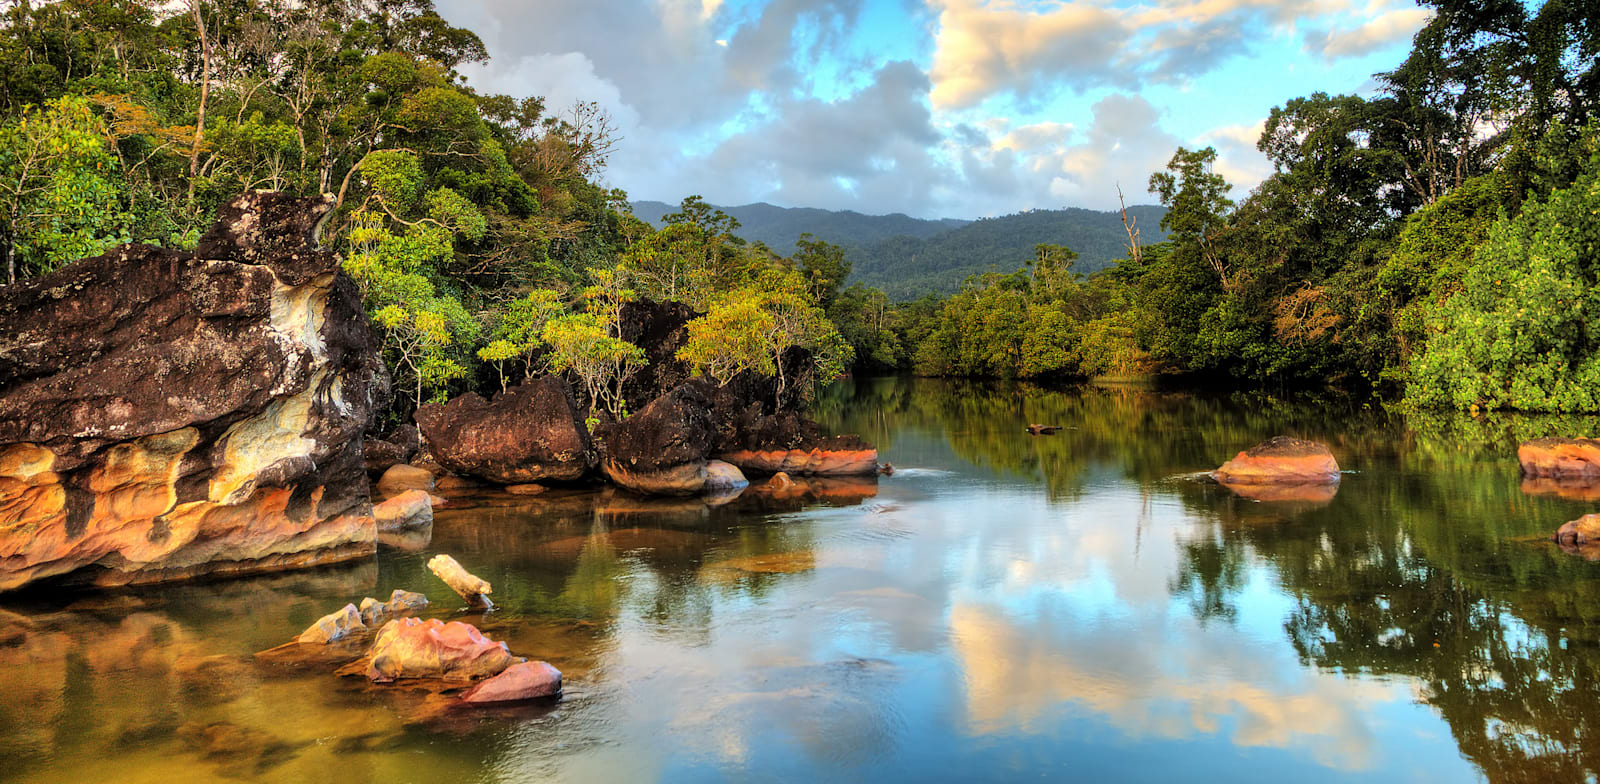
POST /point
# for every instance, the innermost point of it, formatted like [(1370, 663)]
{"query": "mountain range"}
[(908, 257)]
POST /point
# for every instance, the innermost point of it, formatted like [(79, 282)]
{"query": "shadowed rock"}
[(661, 450), (529, 433), (166, 414)]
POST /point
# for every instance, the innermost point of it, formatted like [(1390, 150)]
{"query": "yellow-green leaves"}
[(582, 344)]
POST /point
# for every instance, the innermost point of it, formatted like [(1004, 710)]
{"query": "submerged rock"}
[(470, 587), (1580, 536), (1561, 458), (412, 648), (525, 489), (1280, 460), (529, 433), (400, 601), (525, 681), (166, 414), (336, 625)]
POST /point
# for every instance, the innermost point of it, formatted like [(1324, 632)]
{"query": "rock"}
[(1043, 430), (1280, 460), (836, 456), (1561, 458), (334, 626), (525, 489), (525, 681), (661, 450), (382, 453), (412, 648), (453, 482), (437, 501), (660, 329), (1570, 488), (411, 510), (402, 478), (886, 469), (166, 414), (400, 601), (780, 481), (722, 477), (529, 433), (470, 587)]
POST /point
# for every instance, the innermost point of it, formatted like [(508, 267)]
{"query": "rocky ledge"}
[(166, 414), (1280, 460)]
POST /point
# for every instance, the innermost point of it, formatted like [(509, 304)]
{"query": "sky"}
[(933, 108)]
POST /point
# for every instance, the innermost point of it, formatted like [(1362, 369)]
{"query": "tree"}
[(1197, 205), (729, 339), (582, 345)]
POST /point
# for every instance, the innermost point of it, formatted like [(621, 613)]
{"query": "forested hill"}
[(908, 267), (779, 227), (908, 257)]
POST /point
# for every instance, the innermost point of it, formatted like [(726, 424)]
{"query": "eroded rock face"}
[(1561, 458), (1280, 460), (411, 648), (166, 414), (529, 433)]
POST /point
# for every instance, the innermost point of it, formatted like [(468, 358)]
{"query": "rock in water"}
[(661, 450), (400, 601), (1280, 460), (1561, 458), (469, 586), (529, 433), (401, 478), (722, 477), (333, 626), (165, 414), (525, 681), (408, 511), (412, 648)]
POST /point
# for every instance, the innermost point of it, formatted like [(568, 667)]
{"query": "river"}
[(1004, 607)]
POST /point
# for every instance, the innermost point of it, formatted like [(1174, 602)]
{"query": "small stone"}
[(471, 588), (780, 481), (333, 626), (525, 681), (525, 489), (411, 510), (400, 601), (722, 477)]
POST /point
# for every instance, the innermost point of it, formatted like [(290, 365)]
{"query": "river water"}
[(1004, 607)]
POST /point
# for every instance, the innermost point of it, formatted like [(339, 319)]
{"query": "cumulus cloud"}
[(985, 46), (1388, 28)]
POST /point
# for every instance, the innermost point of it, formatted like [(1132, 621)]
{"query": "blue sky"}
[(934, 108)]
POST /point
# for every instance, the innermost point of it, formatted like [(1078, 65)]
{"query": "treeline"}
[(472, 222), (1437, 240)]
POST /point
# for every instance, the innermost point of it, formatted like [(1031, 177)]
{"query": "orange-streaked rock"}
[(682, 479), (1561, 458), (805, 462), (412, 648), (1280, 460), (411, 510)]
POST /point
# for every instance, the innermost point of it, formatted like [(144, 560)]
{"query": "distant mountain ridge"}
[(908, 257)]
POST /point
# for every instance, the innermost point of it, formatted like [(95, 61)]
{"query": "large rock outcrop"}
[(530, 433), (165, 414), (662, 449)]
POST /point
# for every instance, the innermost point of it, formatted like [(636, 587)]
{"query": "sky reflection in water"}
[(1004, 607)]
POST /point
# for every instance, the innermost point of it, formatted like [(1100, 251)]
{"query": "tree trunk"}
[(205, 90)]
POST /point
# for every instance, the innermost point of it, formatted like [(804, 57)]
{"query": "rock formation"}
[(412, 648), (1580, 536), (525, 681), (470, 587), (662, 449), (165, 414), (1561, 458), (529, 433), (398, 447), (1280, 460)]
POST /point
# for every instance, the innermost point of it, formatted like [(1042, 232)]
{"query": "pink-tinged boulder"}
[(1561, 458), (1280, 460), (334, 626), (525, 681), (530, 433), (847, 458), (412, 648), (408, 511)]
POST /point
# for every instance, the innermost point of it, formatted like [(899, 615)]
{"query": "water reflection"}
[(1003, 606)]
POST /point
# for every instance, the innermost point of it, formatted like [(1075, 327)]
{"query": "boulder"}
[(412, 648), (1280, 460), (334, 626), (780, 481), (660, 329), (788, 442), (527, 489), (1580, 537), (400, 601), (722, 477), (529, 433), (1561, 458), (661, 450), (408, 511), (404, 478), (470, 587), (525, 681), (167, 414)]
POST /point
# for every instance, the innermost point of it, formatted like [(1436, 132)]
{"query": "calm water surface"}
[(1004, 607)]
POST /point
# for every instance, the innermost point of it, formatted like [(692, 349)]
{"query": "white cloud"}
[(1388, 28)]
